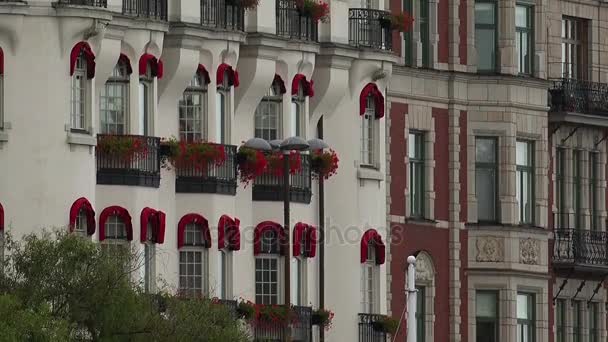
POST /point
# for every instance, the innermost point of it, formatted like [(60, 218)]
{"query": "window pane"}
[(485, 183), (521, 16), (485, 150), (523, 309), (486, 304), (484, 13), (486, 46)]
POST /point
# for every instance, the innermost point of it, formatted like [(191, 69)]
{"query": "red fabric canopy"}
[(279, 81), (371, 238), (157, 218), (156, 65), (196, 219), (83, 204), (126, 61), (304, 235), (1, 218), (372, 89), (311, 241), (120, 212), (300, 79), (85, 49), (1, 62), (259, 231), (228, 233), (203, 72), (233, 76)]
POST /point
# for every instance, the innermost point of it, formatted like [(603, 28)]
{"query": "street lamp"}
[(258, 144)]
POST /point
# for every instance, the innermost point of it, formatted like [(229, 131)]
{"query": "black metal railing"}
[(149, 9), (269, 186), (301, 329), (91, 3), (231, 305), (222, 14), (368, 330), (143, 170), (214, 179), (571, 95), (370, 28), (292, 24), (580, 247)]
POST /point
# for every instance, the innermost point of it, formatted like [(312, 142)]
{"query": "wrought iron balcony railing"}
[(368, 331), (149, 9), (269, 187), (91, 3), (222, 14), (214, 179), (571, 95), (370, 28), (292, 24), (578, 247), (301, 329), (139, 168)]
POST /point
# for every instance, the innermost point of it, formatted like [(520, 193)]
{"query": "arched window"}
[(82, 217), (226, 78), (152, 232), (193, 243), (145, 102), (268, 266), (372, 255), (303, 248), (268, 114), (115, 233), (298, 113), (368, 133), (425, 284), (82, 68), (193, 109), (114, 100)]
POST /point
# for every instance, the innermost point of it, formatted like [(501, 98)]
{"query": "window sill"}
[(370, 173), (81, 139)]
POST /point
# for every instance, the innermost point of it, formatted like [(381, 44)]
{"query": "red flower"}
[(124, 148), (251, 164), (195, 154), (318, 10)]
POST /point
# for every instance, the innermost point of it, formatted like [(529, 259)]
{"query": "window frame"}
[(298, 109), (80, 74), (594, 188), (149, 260), (197, 87), (370, 283), (146, 115), (222, 110), (487, 319), (120, 77), (529, 30), (560, 187), (225, 269), (493, 167), (424, 22), (577, 46), (577, 182), (560, 320), (369, 134), (408, 36), (269, 252), (420, 314), (529, 322), (478, 26), (298, 280), (594, 324), (521, 172), (82, 223), (416, 186), (577, 321), (194, 246), (272, 99)]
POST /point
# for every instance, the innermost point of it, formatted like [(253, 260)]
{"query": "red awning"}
[(83, 204), (124, 59), (278, 80), (259, 231), (311, 241), (1, 218), (196, 219), (120, 212), (371, 238), (157, 218), (204, 73), (1, 62), (300, 79), (156, 65), (299, 237), (371, 89), (226, 70), (85, 49), (228, 233)]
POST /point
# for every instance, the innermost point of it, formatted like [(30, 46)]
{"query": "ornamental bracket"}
[(570, 134), (601, 140), (597, 288), (561, 287), (580, 288)]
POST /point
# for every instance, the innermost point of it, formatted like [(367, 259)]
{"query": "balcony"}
[(222, 14), (367, 330), (581, 251), (301, 330), (231, 305), (214, 180), (90, 3), (117, 166), (269, 187), (369, 28), (147, 9), (578, 101), (292, 24)]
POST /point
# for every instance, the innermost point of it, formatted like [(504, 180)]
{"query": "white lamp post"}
[(411, 299)]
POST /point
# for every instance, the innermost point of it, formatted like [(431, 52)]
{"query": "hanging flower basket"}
[(323, 318), (324, 164), (401, 22), (250, 163), (386, 324), (272, 315), (246, 4), (275, 163), (126, 148), (318, 10), (187, 155)]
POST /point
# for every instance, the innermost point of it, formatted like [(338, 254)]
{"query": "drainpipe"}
[(321, 238)]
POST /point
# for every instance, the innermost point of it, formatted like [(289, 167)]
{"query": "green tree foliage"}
[(61, 287)]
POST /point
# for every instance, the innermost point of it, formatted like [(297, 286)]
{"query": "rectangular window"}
[(79, 95), (191, 270), (420, 313), (223, 270), (485, 35), (416, 158), (577, 324), (486, 178), (425, 35), (149, 267), (297, 281), (267, 280), (574, 48), (524, 38), (408, 36), (145, 119), (525, 317), (594, 324), (525, 181), (560, 321), (562, 216), (221, 108), (368, 283), (193, 111), (486, 316), (576, 188), (368, 133), (594, 189)]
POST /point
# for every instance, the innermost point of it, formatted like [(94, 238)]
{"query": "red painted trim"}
[(260, 229), (372, 89), (228, 233), (85, 48), (125, 59), (156, 65), (300, 79), (120, 212), (372, 237), (462, 31), (203, 72), (233, 76), (196, 219), (279, 80), (82, 204), (158, 225)]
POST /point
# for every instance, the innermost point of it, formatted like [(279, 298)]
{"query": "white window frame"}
[(224, 274), (369, 134), (370, 283), (194, 247), (79, 119), (197, 88), (115, 242), (268, 240), (149, 261), (264, 115), (82, 222), (223, 110), (146, 104), (299, 278), (298, 113), (115, 89)]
